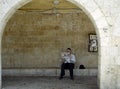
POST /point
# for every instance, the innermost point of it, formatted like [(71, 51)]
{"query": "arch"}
[(92, 10)]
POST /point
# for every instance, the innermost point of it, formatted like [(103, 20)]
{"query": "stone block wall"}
[(35, 40), (110, 9)]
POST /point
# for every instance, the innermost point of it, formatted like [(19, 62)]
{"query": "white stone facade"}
[(105, 15)]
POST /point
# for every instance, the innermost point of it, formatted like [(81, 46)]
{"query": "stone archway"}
[(93, 11)]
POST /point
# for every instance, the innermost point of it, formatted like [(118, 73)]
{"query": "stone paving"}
[(49, 83)]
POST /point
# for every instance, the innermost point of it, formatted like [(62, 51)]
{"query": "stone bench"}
[(47, 72)]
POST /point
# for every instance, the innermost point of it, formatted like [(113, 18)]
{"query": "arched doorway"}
[(98, 21)]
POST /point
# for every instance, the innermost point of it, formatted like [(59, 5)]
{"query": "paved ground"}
[(49, 83)]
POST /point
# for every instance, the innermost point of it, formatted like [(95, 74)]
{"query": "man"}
[(68, 60)]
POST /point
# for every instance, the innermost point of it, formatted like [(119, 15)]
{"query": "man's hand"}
[(62, 60)]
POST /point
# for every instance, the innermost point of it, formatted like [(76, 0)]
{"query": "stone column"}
[(107, 64), (7, 9)]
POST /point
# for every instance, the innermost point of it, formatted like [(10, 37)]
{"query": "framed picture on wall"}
[(93, 43)]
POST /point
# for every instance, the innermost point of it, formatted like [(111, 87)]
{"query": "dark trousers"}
[(69, 66)]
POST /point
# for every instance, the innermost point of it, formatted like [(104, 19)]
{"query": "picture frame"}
[(93, 43)]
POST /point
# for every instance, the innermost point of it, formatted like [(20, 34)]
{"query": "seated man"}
[(68, 60)]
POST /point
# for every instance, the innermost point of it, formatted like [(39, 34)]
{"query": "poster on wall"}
[(93, 43)]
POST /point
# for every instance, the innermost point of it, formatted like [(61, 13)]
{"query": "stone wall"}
[(35, 40), (100, 12)]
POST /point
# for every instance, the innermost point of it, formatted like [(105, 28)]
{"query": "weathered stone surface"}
[(110, 9), (35, 40)]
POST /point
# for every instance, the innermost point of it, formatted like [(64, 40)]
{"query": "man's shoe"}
[(60, 78), (72, 78)]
